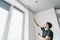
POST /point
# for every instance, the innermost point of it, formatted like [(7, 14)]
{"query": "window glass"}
[(3, 18), (16, 25)]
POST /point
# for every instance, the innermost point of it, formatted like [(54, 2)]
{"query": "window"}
[(11, 26), (16, 25), (3, 18)]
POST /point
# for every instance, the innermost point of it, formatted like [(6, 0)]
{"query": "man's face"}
[(46, 25)]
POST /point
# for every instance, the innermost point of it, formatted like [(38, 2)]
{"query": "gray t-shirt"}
[(47, 33)]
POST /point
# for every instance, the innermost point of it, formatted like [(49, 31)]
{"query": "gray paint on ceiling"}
[(41, 4)]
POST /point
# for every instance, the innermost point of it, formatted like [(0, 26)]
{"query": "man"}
[(47, 34)]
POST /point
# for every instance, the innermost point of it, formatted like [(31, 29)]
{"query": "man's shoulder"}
[(50, 31)]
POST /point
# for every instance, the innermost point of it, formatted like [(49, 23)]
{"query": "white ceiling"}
[(41, 4)]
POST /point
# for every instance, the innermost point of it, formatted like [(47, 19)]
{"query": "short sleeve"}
[(42, 28), (50, 34)]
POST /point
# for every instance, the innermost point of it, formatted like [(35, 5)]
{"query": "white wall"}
[(57, 11), (32, 35), (58, 15), (29, 29), (50, 16)]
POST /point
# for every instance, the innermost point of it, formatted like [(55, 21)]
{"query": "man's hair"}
[(49, 24)]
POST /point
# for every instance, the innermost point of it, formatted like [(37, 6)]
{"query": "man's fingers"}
[(38, 33)]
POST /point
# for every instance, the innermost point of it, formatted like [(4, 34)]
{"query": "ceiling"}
[(40, 5)]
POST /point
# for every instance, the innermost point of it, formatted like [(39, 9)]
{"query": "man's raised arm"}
[(35, 23)]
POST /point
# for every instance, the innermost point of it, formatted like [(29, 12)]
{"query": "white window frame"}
[(6, 30)]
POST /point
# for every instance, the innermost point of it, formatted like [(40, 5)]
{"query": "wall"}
[(58, 15), (32, 34), (57, 11), (50, 16), (29, 29)]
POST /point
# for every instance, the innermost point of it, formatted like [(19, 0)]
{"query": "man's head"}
[(48, 25)]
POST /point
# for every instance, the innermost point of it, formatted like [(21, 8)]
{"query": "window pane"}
[(3, 18), (16, 24)]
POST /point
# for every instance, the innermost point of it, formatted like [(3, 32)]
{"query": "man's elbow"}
[(47, 38)]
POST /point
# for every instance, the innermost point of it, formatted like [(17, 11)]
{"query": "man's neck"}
[(46, 29)]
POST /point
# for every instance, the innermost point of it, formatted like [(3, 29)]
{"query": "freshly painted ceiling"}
[(40, 5)]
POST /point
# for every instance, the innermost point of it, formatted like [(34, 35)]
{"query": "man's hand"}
[(39, 34)]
